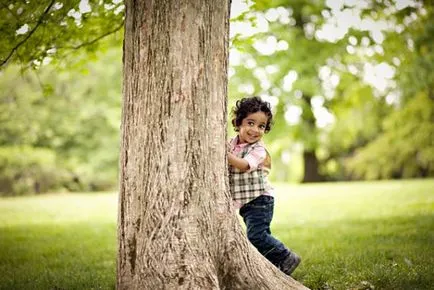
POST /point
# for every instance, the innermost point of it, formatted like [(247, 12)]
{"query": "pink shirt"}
[(255, 158)]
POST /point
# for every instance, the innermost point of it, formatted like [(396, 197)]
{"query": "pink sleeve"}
[(255, 157), (233, 143)]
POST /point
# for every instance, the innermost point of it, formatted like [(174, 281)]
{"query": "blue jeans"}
[(257, 215)]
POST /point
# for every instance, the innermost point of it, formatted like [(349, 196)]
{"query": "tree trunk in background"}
[(176, 228), (311, 168), (310, 161)]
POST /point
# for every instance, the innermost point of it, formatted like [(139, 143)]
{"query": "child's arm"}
[(238, 162)]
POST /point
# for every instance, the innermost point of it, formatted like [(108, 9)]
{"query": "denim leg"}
[(257, 216)]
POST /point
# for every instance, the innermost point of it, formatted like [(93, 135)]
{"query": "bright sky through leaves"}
[(338, 22)]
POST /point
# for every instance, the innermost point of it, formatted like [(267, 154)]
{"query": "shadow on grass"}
[(58, 256)]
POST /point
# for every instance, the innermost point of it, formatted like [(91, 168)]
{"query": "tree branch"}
[(29, 34)]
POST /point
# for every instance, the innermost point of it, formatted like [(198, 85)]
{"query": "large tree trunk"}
[(176, 226)]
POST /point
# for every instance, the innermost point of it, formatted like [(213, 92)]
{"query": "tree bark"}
[(176, 226)]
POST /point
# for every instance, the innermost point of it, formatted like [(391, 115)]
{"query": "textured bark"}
[(176, 226)]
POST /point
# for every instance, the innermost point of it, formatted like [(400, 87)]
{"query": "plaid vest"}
[(246, 186)]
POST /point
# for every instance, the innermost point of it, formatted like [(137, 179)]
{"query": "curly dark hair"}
[(250, 105)]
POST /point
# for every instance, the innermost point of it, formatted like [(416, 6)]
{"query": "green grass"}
[(360, 235), (58, 242), (377, 235)]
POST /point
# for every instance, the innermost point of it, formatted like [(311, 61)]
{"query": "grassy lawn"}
[(360, 235), (58, 242), (377, 235)]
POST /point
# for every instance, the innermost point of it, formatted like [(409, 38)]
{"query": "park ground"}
[(359, 235)]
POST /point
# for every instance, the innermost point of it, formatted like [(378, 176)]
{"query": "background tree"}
[(33, 32), (404, 147), (323, 70), (60, 120), (73, 116), (293, 62)]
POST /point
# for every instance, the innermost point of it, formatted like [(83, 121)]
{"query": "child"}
[(249, 164)]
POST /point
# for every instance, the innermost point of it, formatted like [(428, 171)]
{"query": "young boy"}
[(249, 164)]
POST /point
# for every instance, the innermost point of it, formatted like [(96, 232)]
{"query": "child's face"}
[(252, 127)]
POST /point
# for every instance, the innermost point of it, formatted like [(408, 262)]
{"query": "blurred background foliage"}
[(350, 83), (60, 128)]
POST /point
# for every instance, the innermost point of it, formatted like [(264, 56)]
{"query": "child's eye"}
[(250, 123), (262, 127)]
